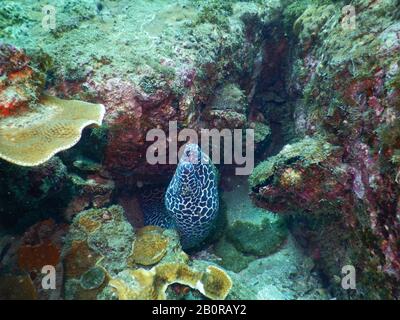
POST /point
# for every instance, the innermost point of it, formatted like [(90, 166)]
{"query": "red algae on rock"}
[(19, 83)]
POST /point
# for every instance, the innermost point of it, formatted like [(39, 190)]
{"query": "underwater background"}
[(82, 82)]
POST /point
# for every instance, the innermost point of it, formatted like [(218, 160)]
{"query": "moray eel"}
[(154, 212), (191, 200)]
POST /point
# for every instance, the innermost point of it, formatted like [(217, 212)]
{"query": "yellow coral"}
[(216, 283), (151, 284), (139, 288), (149, 247), (290, 178), (32, 138)]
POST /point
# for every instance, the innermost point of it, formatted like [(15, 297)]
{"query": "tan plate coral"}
[(33, 137), (142, 284)]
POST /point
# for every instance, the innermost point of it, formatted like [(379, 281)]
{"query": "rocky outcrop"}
[(250, 232), (343, 195), (176, 56), (195, 63)]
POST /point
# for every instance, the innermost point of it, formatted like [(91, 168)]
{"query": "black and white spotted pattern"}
[(152, 204), (192, 200)]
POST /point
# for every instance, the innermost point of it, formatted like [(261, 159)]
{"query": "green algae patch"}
[(270, 233), (310, 150), (250, 232), (215, 12), (313, 20), (93, 278), (151, 44), (231, 258), (261, 132), (230, 97)]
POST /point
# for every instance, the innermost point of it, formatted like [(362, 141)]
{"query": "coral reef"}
[(41, 192), (151, 284), (33, 128), (93, 192), (97, 247), (342, 195), (150, 246), (104, 258), (295, 167), (24, 257), (180, 54), (228, 108), (320, 88), (103, 232), (177, 60), (20, 81), (33, 137)]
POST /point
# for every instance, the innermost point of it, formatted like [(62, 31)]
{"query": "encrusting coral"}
[(23, 258), (144, 284), (32, 138), (309, 150), (105, 259), (150, 246)]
